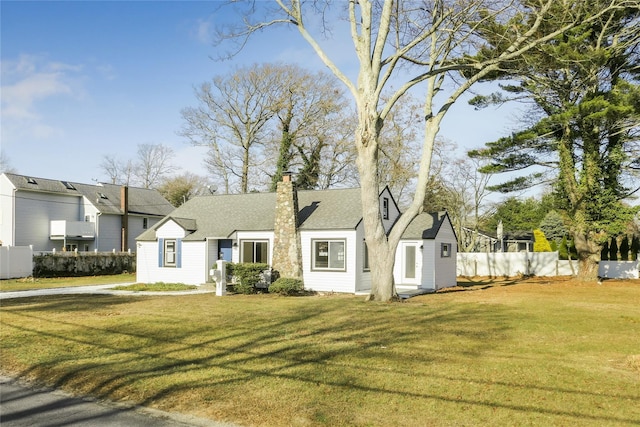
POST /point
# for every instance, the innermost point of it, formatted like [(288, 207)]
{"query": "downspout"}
[(98, 230), (13, 217), (124, 206)]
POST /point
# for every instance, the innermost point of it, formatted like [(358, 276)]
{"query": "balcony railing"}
[(62, 229)]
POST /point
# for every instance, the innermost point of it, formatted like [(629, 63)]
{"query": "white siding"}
[(170, 230), (109, 233), (193, 270), (445, 270), (212, 256), (33, 213), (331, 281), (6, 211)]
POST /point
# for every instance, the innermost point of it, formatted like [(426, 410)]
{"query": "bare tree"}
[(466, 191), (413, 43), (311, 105), (5, 164), (119, 171), (231, 117), (399, 149), (151, 166), (154, 164)]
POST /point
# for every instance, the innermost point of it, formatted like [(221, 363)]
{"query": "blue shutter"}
[(160, 252), (178, 253)]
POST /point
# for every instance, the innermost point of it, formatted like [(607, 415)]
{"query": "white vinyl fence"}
[(509, 264), (16, 261)]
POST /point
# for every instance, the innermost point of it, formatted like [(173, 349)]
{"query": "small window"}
[(365, 257), (169, 253), (329, 254), (256, 251), (385, 208), (445, 250), (145, 223)]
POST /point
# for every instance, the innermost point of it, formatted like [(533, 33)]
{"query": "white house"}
[(328, 229), (51, 214)]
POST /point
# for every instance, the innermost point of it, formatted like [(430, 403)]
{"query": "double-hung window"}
[(255, 251), (445, 250), (170, 251), (329, 255)]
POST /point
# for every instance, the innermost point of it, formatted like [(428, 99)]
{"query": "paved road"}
[(98, 289), (22, 405)]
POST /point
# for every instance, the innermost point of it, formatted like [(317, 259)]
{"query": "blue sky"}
[(85, 79)]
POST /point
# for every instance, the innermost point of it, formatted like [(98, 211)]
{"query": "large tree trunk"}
[(381, 250), (588, 256)]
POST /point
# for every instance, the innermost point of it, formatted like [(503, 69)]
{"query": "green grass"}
[(155, 287), (30, 283), (489, 354)]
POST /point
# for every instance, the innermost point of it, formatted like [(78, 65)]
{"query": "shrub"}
[(286, 286), (247, 276), (540, 243)]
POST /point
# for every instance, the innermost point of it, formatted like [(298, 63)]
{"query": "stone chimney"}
[(287, 252)]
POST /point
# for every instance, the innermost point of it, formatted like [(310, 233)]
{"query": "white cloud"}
[(202, 31), (28, 81)]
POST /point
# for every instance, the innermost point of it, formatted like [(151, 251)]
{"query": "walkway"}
[(99, 289)]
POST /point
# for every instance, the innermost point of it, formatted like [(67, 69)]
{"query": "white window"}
[(255, 251), (445, 250), (329, 255), (169, 253)]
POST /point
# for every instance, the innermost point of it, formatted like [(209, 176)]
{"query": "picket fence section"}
[(510, 264), (16, 262)]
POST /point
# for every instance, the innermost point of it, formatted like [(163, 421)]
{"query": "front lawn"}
[(486, 353), (29, 283)]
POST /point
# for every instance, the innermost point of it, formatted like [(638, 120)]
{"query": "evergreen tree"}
[(583, 85)]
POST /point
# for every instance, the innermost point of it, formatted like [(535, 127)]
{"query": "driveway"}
[(23, 405), (99, 289)]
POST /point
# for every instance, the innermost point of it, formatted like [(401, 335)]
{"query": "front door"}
[(409, 263)]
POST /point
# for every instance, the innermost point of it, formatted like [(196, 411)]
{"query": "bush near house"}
[(287, 286), (246, 277)]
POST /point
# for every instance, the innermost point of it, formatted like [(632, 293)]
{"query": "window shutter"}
[(178, 253), (160, 252)]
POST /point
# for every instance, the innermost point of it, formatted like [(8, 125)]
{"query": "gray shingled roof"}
[(425, 226), (105, 197), (219, 216)]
